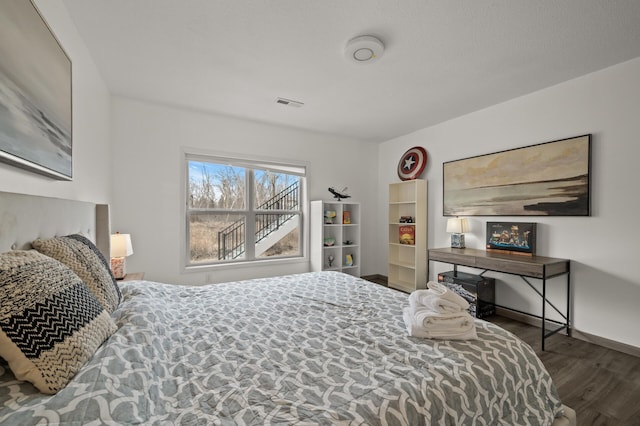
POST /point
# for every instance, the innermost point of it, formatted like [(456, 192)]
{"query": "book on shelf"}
[(346, 217), (407, 234)]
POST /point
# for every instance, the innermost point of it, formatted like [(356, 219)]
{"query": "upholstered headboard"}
[(23, 218)]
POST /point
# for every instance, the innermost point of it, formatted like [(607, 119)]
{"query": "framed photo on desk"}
[(513, 237)]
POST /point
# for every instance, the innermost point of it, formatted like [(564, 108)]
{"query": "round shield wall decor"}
[(412, 163)]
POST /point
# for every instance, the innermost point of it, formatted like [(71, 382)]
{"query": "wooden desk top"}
[(528, 266)]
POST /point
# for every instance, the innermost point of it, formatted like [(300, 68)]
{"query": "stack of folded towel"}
[(439, 313)]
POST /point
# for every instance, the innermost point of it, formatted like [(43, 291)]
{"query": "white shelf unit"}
[(407, 264), (346, 237)]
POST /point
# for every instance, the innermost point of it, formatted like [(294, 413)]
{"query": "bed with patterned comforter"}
[(315, 348)]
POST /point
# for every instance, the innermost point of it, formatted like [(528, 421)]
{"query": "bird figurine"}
[(339, 195)]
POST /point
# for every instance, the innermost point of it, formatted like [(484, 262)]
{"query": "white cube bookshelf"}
[(346, 237)]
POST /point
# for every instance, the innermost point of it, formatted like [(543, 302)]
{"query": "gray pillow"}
[(84, 258)]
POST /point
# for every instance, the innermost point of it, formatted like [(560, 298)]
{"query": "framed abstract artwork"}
[(547, 179), (35, 94)]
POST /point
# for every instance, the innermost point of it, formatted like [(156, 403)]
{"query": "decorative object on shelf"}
[(407, 235), (547, 179), (346, 217), (329, 215), (348, 260), (329, 241), (347, 243), (406, 219), (120, 248), (339, 194), (330, 259), (412, 163), (512, 237), (36, 111), (457, 227)]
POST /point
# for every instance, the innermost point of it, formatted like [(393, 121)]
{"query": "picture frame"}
[(512, 237), (36, 109), (547, 179)]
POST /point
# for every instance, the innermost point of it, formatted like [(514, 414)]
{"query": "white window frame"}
[(252, 162)]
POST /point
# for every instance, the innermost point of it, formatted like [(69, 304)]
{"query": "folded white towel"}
[(439, 298), (445, 292), (436, 304), (429, 325), (460, 321)]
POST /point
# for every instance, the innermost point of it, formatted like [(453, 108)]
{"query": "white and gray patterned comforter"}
[(316, 348)]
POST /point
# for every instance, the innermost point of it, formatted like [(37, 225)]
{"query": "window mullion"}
[(250, 225)]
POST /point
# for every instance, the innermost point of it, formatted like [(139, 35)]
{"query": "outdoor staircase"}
[(270, 228)]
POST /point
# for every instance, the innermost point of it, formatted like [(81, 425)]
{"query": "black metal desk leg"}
[(568, 301), (544, 305)]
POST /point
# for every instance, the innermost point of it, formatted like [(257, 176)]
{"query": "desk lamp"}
[(457, 227)]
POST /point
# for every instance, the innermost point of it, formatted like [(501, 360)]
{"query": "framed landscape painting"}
[(35, 93), (547, 179)]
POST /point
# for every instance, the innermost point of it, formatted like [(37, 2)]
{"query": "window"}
[(241, 210)]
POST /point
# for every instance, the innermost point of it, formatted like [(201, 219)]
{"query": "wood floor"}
[(601, 384)]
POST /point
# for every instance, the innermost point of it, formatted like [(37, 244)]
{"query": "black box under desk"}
[(478, 290)]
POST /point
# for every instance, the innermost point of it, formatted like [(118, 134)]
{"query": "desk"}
[(538, 267)]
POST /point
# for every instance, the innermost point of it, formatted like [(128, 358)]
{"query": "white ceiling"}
[(442, 59)]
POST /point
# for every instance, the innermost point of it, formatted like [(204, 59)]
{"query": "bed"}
[(314, 348)]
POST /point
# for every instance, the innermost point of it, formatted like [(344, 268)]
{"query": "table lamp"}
[(120, 248), (457, 227)]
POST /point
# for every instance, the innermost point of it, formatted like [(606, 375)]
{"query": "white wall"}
[(148, 139), (604, 247), (146, 181), (91, 124)]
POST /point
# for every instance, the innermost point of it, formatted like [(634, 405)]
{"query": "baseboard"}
[(577, 334), (536, 322), (607, 343)]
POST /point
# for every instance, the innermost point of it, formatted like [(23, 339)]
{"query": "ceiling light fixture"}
[(364, 49)]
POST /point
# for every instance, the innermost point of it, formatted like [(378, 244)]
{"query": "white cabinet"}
[(407, 264), (335, 236)]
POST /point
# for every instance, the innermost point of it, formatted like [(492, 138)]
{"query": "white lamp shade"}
[(458, 225), (121, 245)]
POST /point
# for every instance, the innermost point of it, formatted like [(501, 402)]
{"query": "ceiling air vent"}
[(289, 102)]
